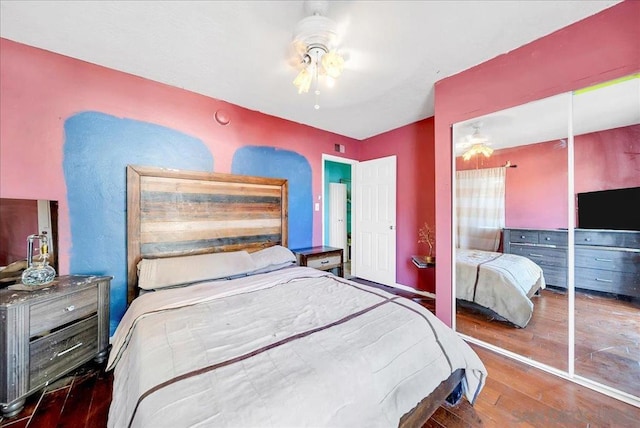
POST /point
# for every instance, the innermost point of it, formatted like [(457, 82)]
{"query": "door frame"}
[(352, 163)]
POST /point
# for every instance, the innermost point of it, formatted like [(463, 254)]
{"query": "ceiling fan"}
[(315, 40), (475, 143)]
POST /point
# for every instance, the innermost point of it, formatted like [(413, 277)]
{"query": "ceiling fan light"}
[(486, 151), (477, 149), (303, 81), (333, 64)]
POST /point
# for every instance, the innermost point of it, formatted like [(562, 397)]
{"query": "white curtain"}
[(480, 208)]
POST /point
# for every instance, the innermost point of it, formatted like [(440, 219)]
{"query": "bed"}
[(503, 283), (225, 330)]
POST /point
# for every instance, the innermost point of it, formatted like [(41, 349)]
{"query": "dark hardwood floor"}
[(79, 400), (544, 339), (514, 395), (607, 335)]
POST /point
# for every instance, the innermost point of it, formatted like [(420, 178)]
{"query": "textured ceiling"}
[(239, 51)]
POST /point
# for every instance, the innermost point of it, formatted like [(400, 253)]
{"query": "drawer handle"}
[(324, 262), (76, 346), (546, 238), (522, 236), (535, 255), (587, 239), (69, 308), (604, 280), (603, 260)]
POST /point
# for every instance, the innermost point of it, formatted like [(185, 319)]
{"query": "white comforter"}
[(296, 347), (503, 283)]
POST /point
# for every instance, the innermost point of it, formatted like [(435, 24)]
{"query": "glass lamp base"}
[(38, 275)]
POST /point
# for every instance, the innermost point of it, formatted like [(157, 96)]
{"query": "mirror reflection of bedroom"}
[(20, 218), (547, 236), (504, 298)]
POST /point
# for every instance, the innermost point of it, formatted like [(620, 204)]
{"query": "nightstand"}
[(323, 258), (47, 333)]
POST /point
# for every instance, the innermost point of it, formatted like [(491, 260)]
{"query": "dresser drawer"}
[(555, 276), (627, 284), (523, 236), (550, 237), (615, 260), (324, 262), (542, 256), (52, 313), (54, 354), (608, 238)]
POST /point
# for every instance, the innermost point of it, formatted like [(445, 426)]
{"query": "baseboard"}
[(413, 290)]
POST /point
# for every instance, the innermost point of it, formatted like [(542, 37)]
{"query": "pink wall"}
[(608, 159), (413, 145), (536, 191), (40, 90), (599, 48)]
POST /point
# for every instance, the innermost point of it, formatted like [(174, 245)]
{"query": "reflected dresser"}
[(46, 333), (546, 247), (605, 260)]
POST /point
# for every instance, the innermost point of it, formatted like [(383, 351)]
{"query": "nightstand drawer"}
[(48, 332), (52, 313), (54, 354), (325, 262)]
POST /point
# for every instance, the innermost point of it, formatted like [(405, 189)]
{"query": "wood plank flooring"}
[(79, 400), (514, 395), (607, 335)]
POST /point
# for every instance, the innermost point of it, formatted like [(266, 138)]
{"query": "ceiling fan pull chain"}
[(317, 91)]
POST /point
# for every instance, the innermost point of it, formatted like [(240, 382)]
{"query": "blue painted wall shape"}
[(277, 163), (97, 149)]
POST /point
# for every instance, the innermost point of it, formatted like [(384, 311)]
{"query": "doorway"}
[(370, 251), (337, 212)]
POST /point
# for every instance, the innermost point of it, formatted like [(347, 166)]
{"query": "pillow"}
[(170, 271), (272, 258)]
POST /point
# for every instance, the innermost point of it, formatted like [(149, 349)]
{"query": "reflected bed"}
[(503, 283)]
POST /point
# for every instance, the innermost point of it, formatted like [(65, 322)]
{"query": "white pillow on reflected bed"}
[(165, 272)]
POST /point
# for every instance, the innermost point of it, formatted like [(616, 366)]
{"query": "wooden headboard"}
[(174, 213)]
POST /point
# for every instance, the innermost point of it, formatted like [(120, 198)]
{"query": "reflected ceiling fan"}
[(315, 42), (475, 143)]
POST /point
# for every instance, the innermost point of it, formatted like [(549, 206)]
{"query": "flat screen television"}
[(610, 209)]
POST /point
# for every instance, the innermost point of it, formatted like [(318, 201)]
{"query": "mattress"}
[(293, 347), (501, 282)]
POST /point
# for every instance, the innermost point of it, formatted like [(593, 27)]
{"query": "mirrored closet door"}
[(571, 182), (606, 124), (512, 289)]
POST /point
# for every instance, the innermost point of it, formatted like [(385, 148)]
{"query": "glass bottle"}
[(38, 272)]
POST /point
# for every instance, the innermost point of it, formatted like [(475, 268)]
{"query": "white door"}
[(375, 220), (338, 216)]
